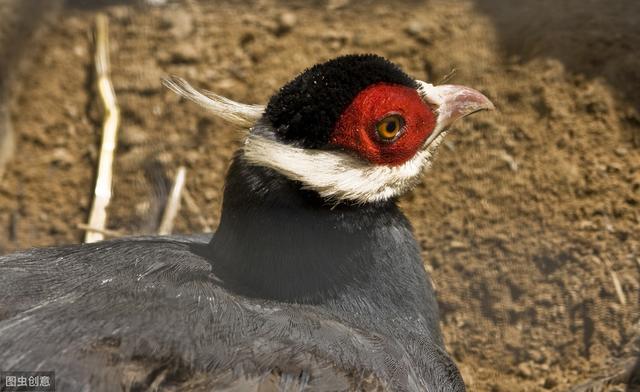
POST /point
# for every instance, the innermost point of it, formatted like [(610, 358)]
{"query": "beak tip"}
[(490, 105), (475, 100)]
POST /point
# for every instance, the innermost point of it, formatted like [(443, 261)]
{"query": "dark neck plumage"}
[(279, 241)]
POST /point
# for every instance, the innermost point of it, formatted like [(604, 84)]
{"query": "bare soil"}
[(526, 220)]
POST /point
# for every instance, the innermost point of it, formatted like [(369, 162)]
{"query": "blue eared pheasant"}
[(313, 280)]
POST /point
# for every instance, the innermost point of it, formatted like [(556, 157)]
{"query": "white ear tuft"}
[(235, 112)]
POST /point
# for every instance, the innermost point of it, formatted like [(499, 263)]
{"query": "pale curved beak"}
[(451, 102)]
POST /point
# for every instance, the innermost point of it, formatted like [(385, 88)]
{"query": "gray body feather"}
[(157, 311)]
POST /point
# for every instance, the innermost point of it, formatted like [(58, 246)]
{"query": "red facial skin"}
[(356, 127)]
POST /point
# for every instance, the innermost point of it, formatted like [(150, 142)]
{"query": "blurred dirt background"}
[(527, 219)]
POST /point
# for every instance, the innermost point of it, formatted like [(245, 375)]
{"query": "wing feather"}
[(149, 312)]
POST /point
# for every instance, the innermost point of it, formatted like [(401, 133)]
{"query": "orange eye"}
[(389, 127)]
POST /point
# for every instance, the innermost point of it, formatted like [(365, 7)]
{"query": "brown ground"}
[(524, 219)]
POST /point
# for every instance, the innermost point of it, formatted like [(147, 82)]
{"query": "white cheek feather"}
[(237, 113), (337, 175), (433, 95)]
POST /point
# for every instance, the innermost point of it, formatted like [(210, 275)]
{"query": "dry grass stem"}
[(173, 203), (616, 282), (111, 121), (194, 209), (104, 232)]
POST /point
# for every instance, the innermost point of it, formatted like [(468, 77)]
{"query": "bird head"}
[(353, 129)]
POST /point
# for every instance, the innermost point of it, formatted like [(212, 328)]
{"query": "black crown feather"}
[(305, 110)]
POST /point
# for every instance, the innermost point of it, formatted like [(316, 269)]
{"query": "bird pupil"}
[(391, 126)]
